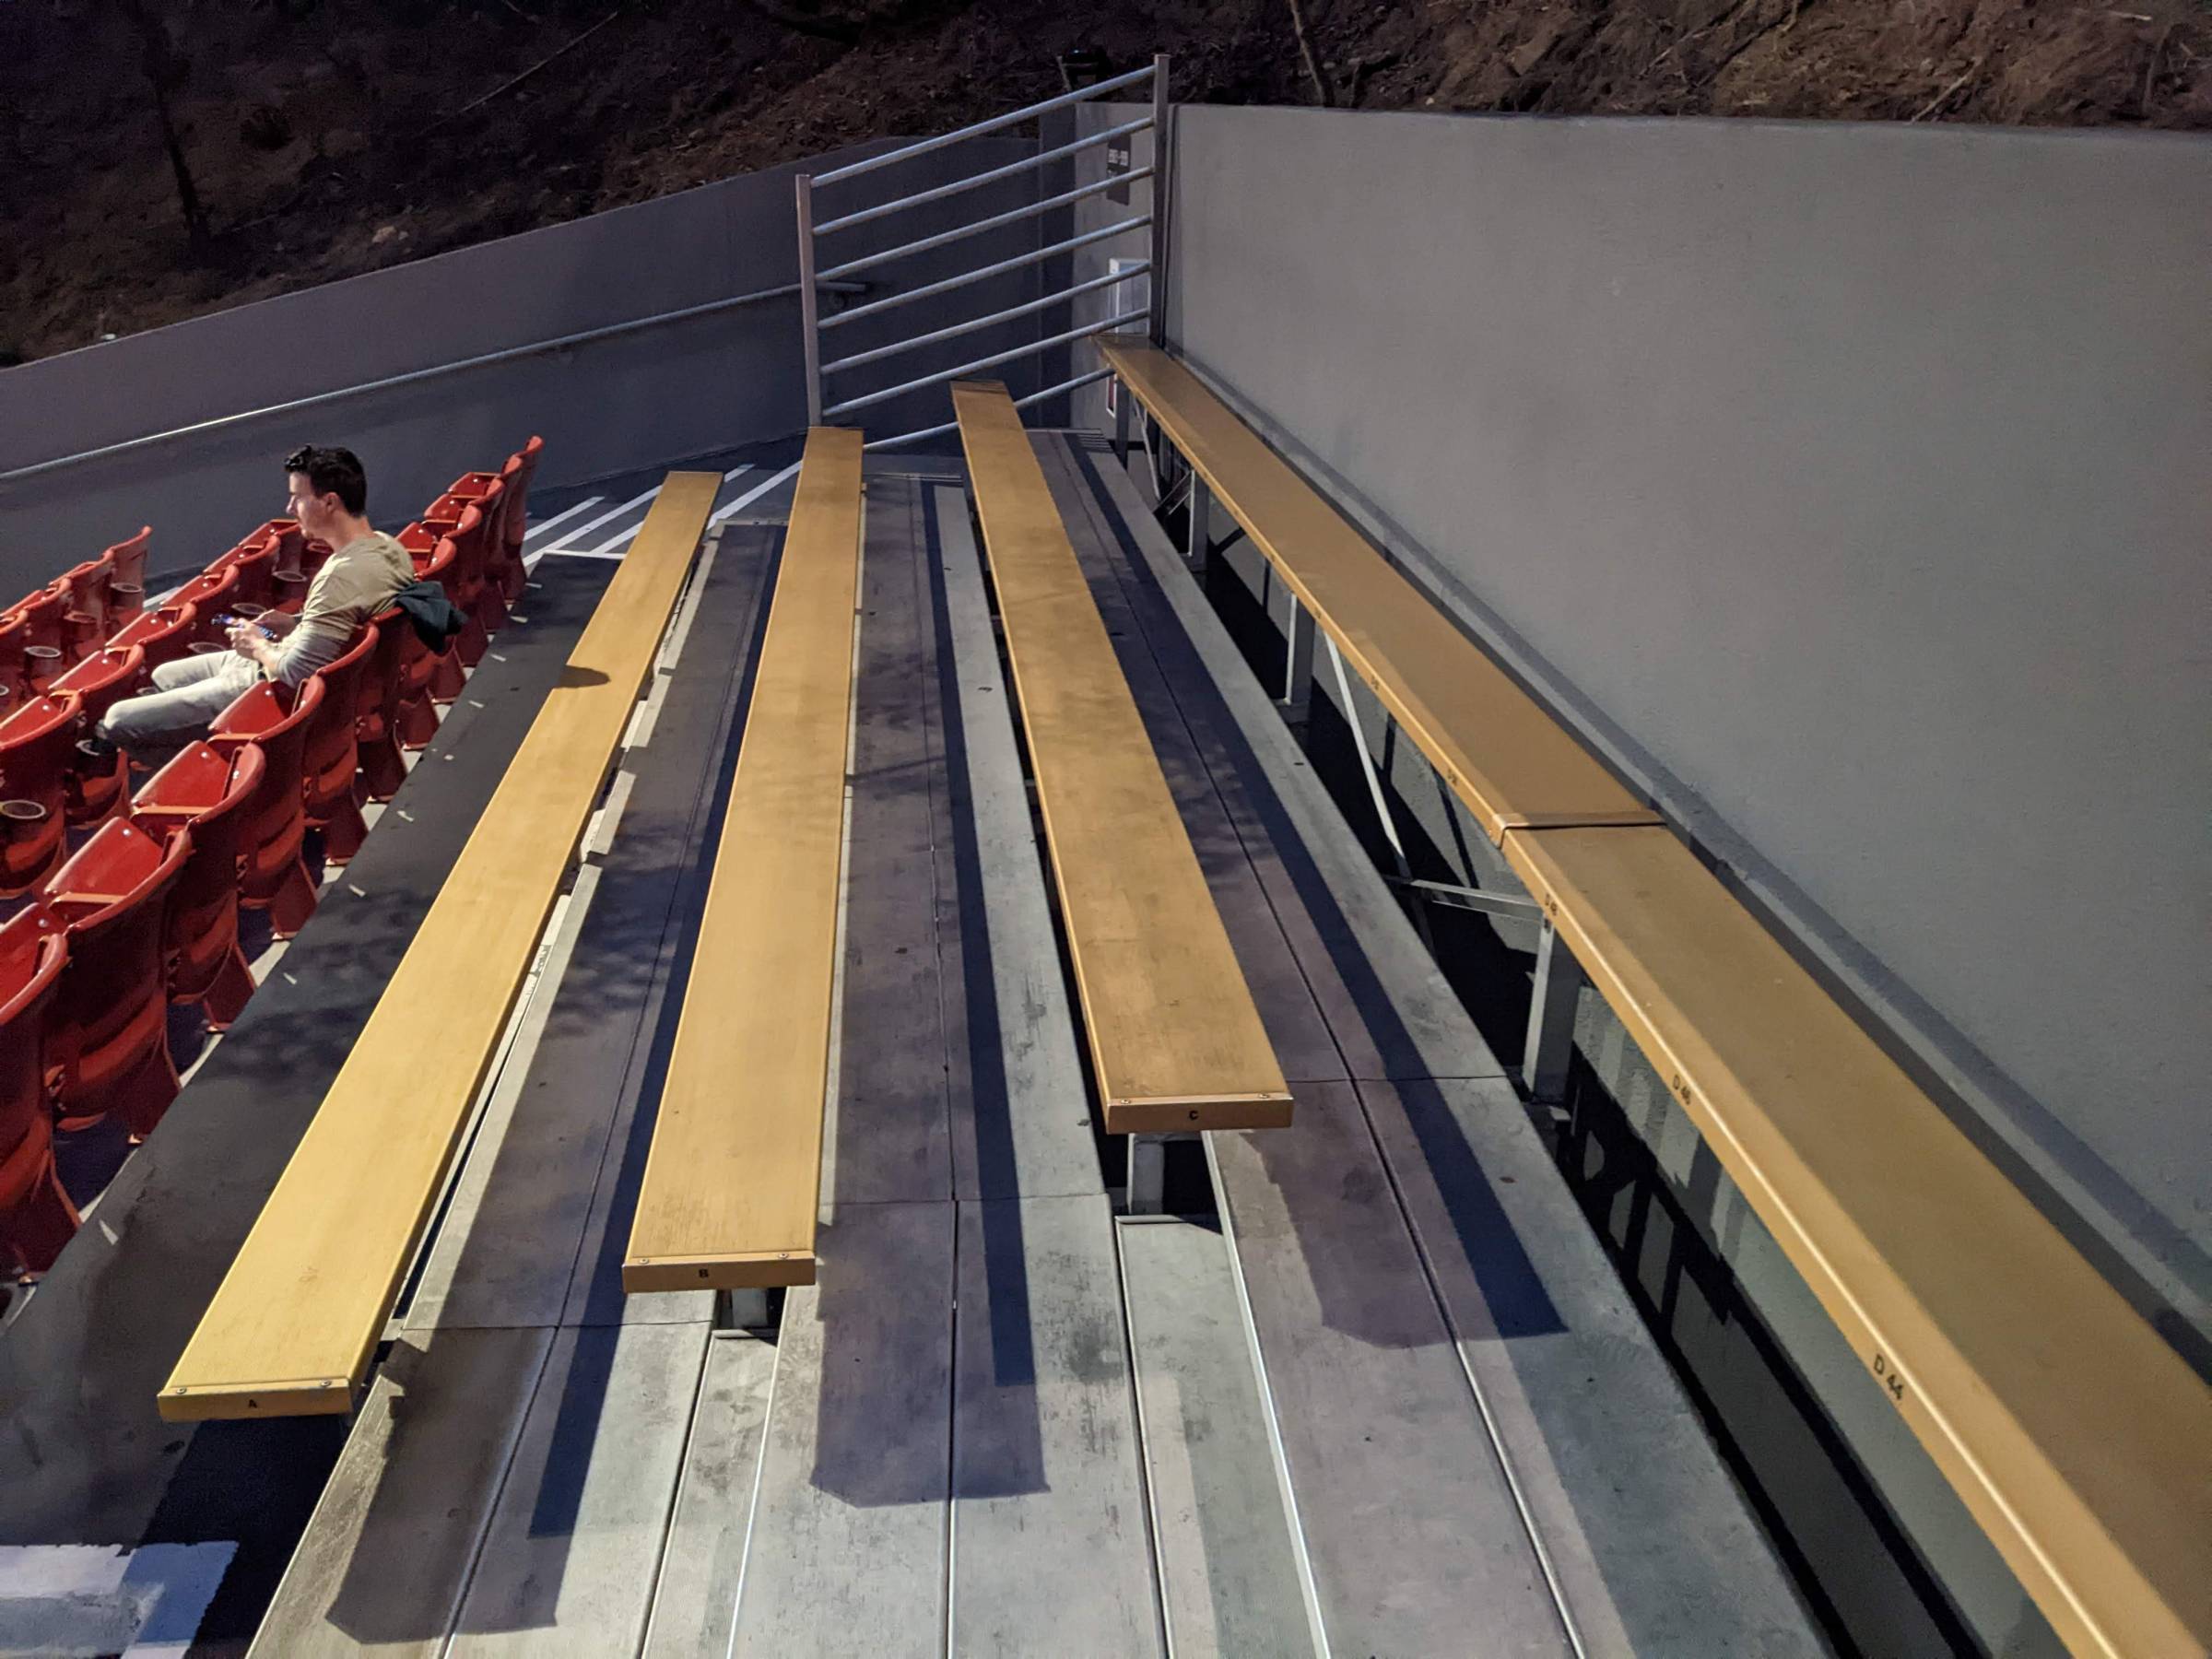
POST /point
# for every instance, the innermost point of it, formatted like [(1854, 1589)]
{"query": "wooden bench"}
[(734, 1177), (1175, 1042), (295, 1321), (2081, 1442), (1493, 743)]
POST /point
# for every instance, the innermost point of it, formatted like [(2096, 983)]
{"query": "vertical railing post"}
[(1548, 1051), (1297, 664), (1163, 185), (809, 300), (1199, 539)]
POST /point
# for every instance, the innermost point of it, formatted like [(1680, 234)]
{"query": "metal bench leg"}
[(1298, 665), (1121, 426), (1374, 789), (740, 1309), (1550, 1046), (1198, 537), (1147, 1174)]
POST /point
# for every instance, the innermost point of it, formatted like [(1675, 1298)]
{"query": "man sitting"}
[(366, 568)]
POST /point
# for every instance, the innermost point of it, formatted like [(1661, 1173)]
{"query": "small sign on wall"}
[(1117, 169), (1131, 293)]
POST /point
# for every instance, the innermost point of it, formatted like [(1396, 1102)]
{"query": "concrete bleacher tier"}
[(299, 1314), (987, 1390), (871, 866), (2071, 1432)]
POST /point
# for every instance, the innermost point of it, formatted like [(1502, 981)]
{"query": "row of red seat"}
[(145, 914)]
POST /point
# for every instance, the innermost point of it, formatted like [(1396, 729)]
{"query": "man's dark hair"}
[(331, 471)]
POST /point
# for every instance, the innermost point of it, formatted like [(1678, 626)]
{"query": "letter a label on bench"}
[(734, 1177), (1175, 1040)]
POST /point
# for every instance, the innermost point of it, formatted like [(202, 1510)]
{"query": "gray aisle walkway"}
[(950, 1455), (507, 1482), (1471, 1414)]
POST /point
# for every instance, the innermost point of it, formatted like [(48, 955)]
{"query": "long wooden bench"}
[(293, 1325), (1175, 1042), (735, 1173), (2081, 1442), (1508, 760)]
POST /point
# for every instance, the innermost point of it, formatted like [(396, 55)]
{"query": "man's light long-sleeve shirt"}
[(355, 582)]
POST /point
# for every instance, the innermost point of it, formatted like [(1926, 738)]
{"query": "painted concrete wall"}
[(637, 400), (1847, 485)]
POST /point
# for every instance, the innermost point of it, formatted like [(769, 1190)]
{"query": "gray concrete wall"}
[(637, 400), (1847, 485)]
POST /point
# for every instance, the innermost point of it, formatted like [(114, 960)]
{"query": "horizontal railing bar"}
[(996, 124), (1015, 217), (1036, 256), (1012, 312), (1012, 169), (1020, 403), (417, 377), (935, 431), (993, 361)]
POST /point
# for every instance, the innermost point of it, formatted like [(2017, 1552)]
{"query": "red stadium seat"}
[(36, 1216), (203, 792), (126, 582), (107, 1033), (331, 753), (44, 635), (487, 493), (469, 536), (441, 675), (37, 743), (14, 677), (254, 559), (291, 543), (97, 788), (377, 716), (521, 468), (271, 875), (211, 595), (85, 625), (161, 636)]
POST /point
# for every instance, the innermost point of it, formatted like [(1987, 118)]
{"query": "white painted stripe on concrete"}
[(614, 545), (566, 513), (609, 517), (76, 1601), (752, 495)]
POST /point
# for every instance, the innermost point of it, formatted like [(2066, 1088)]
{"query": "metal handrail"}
[(1011, 169), (1012, 217), (997, 124), (1071, 384), (992, 362), (811, 277), (1037, 257), (418, 376), (1012, 312)]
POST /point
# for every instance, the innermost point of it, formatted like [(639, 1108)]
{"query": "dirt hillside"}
[(327, 137)]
